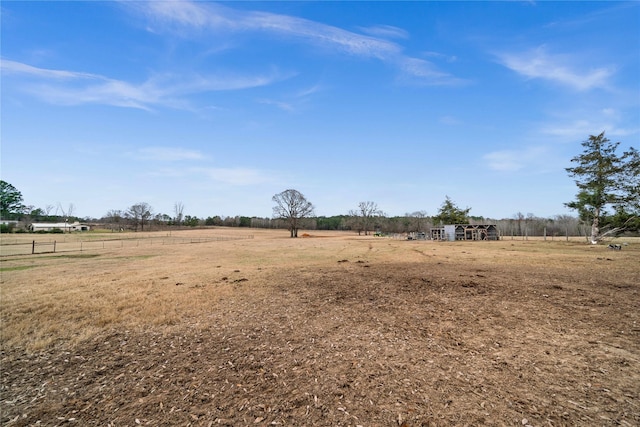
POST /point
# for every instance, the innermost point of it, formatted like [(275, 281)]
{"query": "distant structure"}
[(417, 235), (64, 226), (466, 232)]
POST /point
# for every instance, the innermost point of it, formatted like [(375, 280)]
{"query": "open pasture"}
[(333, 329)]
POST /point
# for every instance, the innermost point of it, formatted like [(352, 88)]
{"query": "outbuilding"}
[(64, 226), (466, 232)]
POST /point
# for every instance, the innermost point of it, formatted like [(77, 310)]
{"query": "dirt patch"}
[(364, 342)]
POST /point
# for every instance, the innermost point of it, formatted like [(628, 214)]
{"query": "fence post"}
[(54, 246), (33, 247)]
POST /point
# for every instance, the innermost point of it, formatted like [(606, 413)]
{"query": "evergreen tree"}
[(604, 180), (449, 213), (10, 200)]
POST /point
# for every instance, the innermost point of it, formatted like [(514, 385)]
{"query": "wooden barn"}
[(466, 232)]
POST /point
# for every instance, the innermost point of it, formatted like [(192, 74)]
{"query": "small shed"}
[(64, 226), (466, 232)]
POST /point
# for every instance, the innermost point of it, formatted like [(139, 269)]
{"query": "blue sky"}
[(220, 106)]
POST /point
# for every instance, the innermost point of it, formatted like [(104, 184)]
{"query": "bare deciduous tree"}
[(292, 207), (420, 219), (178, 209), (114, 217), (139, 214), (66, 213), (363, 216)]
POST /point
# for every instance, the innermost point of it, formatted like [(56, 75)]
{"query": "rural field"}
[(249, 327)]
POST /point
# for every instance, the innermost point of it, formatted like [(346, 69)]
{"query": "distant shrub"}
[(57, 231), (6, 228)]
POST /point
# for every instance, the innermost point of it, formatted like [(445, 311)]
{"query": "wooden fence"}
[(36, 247)]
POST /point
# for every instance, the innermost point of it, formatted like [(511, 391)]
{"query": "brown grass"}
[(67, 297), (351, 330)]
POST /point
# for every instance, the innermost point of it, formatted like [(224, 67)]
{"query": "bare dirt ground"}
[(330, 330)]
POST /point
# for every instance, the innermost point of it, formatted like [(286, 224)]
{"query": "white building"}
[(64, 226)]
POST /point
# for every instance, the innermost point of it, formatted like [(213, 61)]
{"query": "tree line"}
[(607, 203), (292, 212)]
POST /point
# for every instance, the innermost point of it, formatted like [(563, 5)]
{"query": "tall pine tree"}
[(604, 180)]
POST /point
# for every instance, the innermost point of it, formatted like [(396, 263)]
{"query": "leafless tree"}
[(519, 217), (178, 209), (139, 214), (292, 207), (364, 216), (66, 213), (114, 217), (419, 220)]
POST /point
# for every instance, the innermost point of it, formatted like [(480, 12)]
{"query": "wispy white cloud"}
[(581, 129), (168, 154), (563, 69), (308, 91), (293, 102), (13, 67), (73, 87), (183, 12), (438, 55), (107, 92), (571, 126), (64, 87), (184, 15), (236, 176), (230, 176), (286, 106), (449, 120), (385, 31), (207, 17), (419, 71), (576, 129), (515, 160)]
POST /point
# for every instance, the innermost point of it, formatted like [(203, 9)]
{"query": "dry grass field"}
[(332, 329)]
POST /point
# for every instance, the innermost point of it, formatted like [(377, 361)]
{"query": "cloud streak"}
[(539, 64), (385, 31), (235, 176), (186, 16), (73, 87), (17, 68), (168, 154), (181, 15), (63, 87), (514, 160), (578, 129)]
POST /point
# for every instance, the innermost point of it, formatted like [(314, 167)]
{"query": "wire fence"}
[(44, 246)]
